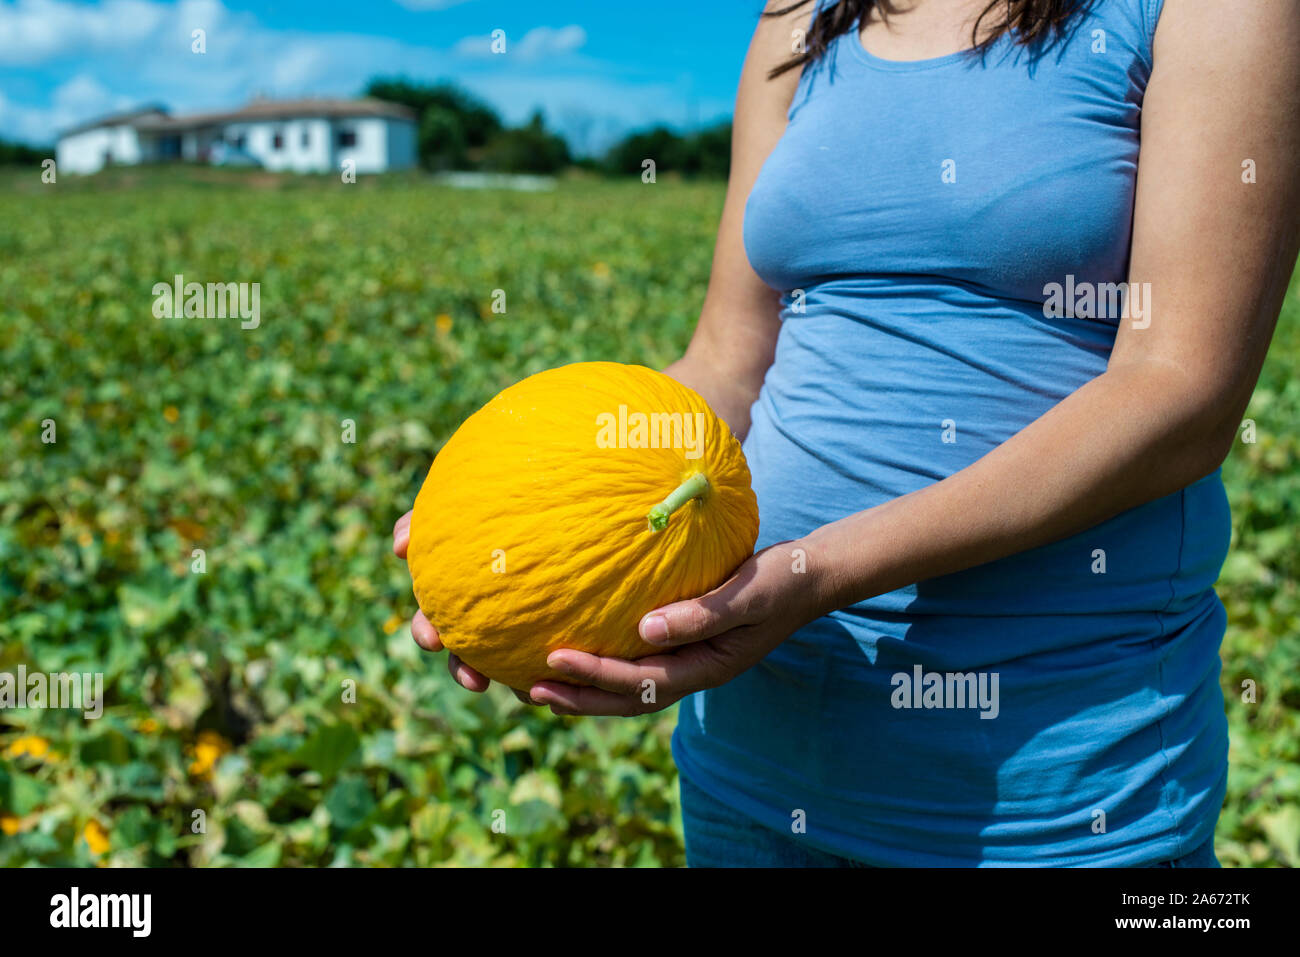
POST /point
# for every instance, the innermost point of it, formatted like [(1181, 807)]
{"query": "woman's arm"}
[(1217, 252), (736, 335)]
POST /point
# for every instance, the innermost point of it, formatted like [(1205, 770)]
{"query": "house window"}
[(306, 139), (347, 138), (278, 142)]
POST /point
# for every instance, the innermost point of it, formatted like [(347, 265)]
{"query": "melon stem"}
[(694, 486)]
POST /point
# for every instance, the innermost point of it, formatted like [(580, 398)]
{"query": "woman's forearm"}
[(1127, 437), (729, 400)]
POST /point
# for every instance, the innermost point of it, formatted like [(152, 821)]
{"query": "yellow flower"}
[(187, 529), (96, 837), (31, 745), (443, 323), (207, 752), (392, 625), (171, 413), (85, 539), (147, 726), (601, 270), (10, 823)]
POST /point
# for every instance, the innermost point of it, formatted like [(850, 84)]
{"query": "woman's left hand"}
[(707, 641)]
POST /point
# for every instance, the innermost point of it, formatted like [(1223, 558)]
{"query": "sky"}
[(596, 69)]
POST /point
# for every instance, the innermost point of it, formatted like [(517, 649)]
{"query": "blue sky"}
[(597, 69)]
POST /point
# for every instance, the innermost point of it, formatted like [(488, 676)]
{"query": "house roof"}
[(156, 118), (124, 118)]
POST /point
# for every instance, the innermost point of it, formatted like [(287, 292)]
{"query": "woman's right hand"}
[(426, 636)]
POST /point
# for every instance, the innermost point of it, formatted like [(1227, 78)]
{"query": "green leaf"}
[(268, 855), (1282, 828), (147, 611), (330, 748), (109, 747), (349, 803), (27, 793)]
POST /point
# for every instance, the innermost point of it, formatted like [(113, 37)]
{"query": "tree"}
[(19, 154), (442, 142), (705, 152), (709, 151), (658, 143), (531, 148), (478, 121)]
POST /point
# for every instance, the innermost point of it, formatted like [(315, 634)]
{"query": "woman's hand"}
[(707, 641), (426, 636)]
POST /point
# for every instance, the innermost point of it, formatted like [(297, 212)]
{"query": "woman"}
[(981, 628)]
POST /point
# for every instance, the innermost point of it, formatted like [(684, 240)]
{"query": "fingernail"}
[(560, 664), (654, 629)]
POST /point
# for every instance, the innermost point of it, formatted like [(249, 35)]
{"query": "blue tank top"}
[(1062, 705)]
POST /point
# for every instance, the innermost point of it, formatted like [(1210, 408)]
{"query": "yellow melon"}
[(570, 505)]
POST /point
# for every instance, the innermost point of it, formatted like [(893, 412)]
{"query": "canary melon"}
[(568, 507)]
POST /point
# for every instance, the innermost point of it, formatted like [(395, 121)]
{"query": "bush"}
[(442, 142), (228, 691), (705, 152), (527, 149), (478, 121), (19, 154)]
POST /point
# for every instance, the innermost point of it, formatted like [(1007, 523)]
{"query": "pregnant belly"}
[(855, 412)]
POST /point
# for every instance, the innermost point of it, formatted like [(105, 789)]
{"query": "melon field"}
[(198, 508)]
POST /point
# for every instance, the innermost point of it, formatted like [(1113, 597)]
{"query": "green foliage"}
[(527, 149), (442, 143), (705, 153), (279, 692), (183, 434), (20, 154), (478, 122), (459, 131), (1260, 585)]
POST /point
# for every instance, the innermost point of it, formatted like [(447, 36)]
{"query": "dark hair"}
[(1032, 21)]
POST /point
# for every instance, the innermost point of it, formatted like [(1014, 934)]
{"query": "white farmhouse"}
[(301, 136)]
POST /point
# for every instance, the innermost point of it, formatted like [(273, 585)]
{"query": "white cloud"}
[(82, 93), (429, 4), (142, 51), (207, 15), (70, 102), (544, 41), (298, 67), (537, 44), (37, 31)]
